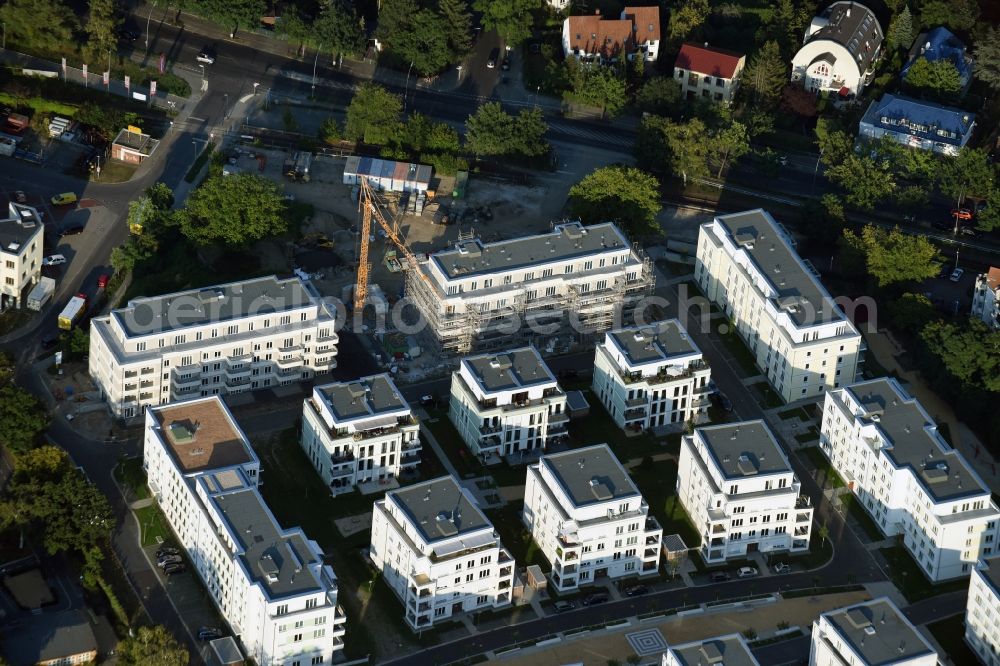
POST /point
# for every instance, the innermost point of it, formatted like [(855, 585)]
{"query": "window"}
[(318, 660), (310, 603), (296, 638), (282, 610)]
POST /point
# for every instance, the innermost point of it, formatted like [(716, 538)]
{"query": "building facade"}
[(595, 39), (840, 50), (730, 650), (982, 612), (21, 248), (986, 298), (359, 432), (507, 403), (799, 337), (910, 481), (705, 72), (873, 633), (439, 553), (572, 280), (918, 124), (268, 583), (232, 338), (588, 518), (651, 376), (741, 493)]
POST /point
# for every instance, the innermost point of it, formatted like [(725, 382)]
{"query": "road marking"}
[(197, 119)]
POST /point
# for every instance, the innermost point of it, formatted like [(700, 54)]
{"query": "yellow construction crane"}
[(371, 204)]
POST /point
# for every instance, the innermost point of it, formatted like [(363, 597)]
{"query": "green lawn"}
[(451, 443), (656, 482), (858, 512), (152, 525), (515, 537), (130, 473), (950, 633), (598, 428), (739, 351), (907, 575), (821, 463)]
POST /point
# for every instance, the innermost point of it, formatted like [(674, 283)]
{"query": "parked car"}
[(174, 569), (782, 567), (54, 260), (968, 231), (426, 401), (20, 197), (594, 599), (168, 560), (720, 577), (505, 65), (563, 606), (636, 590), (72, 230), (209, 633), (166, 550), (494, 56), (206, 56), (721, 401), (64, 199), (957, 274), (746, 572), (962, 213), (102, 280)]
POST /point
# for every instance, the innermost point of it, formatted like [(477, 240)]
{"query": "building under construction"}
[(569, 283)]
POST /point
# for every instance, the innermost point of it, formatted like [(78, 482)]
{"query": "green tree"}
[(443, 138), (373, 115), (234, 210), (968, 174), (46, 462), (599, 86), (679, 148), (865, 180), (45, 25), (338, 29), (161, 196), (72, 514), (939, 78), (416, 131), (529, 133), (660, 95), (987, 57), (969, 351), (835, 145), (329, 131), (893, 256), (424, 43), (765, 75), (988, 219), (22, 419), (955, 14), (232, 14), (787, 24), (685, 19), (393, 18), (910, 312), (900, 34), (824, 534), (511, 19), (7, 368), (152, 646), (100, 26), (457, 22), (489, 130), (728, 144), (621, 194)]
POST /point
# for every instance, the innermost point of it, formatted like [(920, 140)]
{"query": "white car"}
[(746, 572), (782, 567), (206, 58), (957, 274), (54, 260)]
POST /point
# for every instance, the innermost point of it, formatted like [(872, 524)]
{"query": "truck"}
[(16, 123), (41, 293), (73, 311)]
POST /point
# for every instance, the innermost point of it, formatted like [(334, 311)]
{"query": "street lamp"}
[(255, 88), (315, 60), (406, 87), (225, 105)]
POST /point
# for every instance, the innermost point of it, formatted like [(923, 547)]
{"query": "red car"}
[(962, 213), (102, 281)]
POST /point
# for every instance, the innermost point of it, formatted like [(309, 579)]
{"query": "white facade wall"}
[(889, 629), (20, 259), (982, 614), (986, 298), (698, 85), (946, 538), (800, 361), (253, 352)]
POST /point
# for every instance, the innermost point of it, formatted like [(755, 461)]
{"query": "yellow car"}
[(64, 199)]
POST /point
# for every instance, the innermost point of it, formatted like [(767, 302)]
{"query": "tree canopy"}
[(866, 181), (101, 25), (622, 194), (970, 351), (234, 210), (766, 75), (511, 19), (45, 24), (955, 14), (492, 131), (968, 174), (892, 256), (660, 95), (232, 14), (685, 19), (151, 646), (373, 115), (900, 34), (987, 57), (596, 86), (22, 418), (939, 78)]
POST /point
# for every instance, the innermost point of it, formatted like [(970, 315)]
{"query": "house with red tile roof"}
[(986, 298), (705, 72), (593, 37)]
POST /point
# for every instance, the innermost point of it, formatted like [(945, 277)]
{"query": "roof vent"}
[(182, 432), (870, 630), (501, 362), (268, 567), (356, 390), (746, 465), (600, 490)]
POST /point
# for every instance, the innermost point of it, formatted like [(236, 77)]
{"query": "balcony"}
[(489, 442), (129, 374), (489, 429), (569, 569), (184, 381), (803, 517), (506, 571), (651, 540), (663, 376), (559, 417), (146, 384), (635, 413), (504, 585), (652, 525), (650, 552), (186, 391), (802, 531), (636, 402), (236, 373), (289, 362), (340, 458), (294, 349)]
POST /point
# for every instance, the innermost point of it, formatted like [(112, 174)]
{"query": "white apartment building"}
[(840, 50), (982, 612), (588, 518), (506, 403), (21, 249), (359, 432), (571, 280), (872, 633), (439, 553), (232, 338), (741, 493), (986, 298), (269, 583), (651, 376), (801, 340), (912, 483), (708, 73), (730, 650)]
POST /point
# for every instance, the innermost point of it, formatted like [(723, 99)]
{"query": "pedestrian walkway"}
[(428, 436)]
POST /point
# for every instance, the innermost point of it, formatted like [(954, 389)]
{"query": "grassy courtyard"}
[(153, 527), (130, 474), (909, 578)]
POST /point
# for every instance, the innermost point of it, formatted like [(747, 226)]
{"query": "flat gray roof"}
[(729, 650), (49, 637), (367, 396), (227, 651), (576, 400), (744, 449), (439, 509), (799, 291), (659, 341), (990, 570), (218, 304), (944, 474), (517, 368), (878, 632), (567, 241), (279, 562), (590, 475)]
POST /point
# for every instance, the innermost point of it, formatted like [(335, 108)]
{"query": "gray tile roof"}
[(565, 242), (729, 650), (364, 397), (798, 289), (49, 636), (943, 473), (275, 559), (439, 509), (925, 120), (878, 632), (218, 304), (590, 475), (14, 234), (659, 341), (517, 368), (744, 449), (853, 26)]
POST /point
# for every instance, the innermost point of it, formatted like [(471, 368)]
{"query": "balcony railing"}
[(339, 458), (489, 429), (803, 517), (635, 413), (558, 417), (801, 531), (663, 377)]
